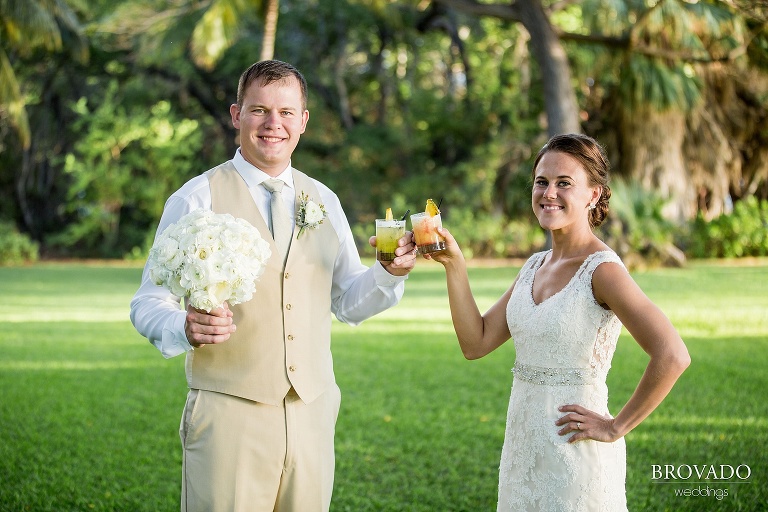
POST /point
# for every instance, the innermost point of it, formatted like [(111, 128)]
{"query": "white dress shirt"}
[(358, 292)]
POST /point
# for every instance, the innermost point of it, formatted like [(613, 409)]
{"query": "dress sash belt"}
[(555, 376)]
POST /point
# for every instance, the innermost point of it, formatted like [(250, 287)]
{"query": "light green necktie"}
[(280, 221)]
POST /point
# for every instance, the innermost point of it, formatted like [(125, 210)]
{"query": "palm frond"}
[(12, 102), (29, 24), (218, 29), (650, 80)]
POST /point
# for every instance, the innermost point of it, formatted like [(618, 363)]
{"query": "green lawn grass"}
[(89, 411)]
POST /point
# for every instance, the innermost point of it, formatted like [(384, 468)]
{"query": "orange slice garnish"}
[(431, 208)]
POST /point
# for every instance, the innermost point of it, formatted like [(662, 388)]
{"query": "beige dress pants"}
[(241, 455)]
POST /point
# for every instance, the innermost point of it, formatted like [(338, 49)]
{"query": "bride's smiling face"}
[(562, 193)]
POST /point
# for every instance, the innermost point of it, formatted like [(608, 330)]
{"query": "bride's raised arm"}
[(478, 334)]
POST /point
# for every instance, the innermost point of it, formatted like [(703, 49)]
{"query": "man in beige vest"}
[(258, 426)]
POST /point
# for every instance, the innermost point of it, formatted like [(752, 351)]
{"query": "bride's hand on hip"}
[(585, 424)]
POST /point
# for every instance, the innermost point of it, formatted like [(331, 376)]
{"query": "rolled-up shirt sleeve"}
[(155, 312), (157, 315), (358, 292)]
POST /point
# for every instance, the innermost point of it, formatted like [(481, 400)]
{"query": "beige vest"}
[(283, 335)]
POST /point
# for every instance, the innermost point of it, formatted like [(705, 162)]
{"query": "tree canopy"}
[(106, 108)]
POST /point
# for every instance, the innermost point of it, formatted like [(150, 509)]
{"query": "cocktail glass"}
[(388, 232), (425, 232)]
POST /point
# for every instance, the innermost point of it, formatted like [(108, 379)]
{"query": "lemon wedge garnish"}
[(431, 208), (389, 215)]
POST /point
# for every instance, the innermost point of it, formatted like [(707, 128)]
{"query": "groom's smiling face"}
[(271, 121)]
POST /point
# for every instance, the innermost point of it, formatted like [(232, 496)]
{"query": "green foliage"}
[(636, 227), (482, 235), (664, 40), (409, 100), (90, 411), (743, 232), (26, 25), (462, 144), (16, 248), (217, 30), (127, 161)]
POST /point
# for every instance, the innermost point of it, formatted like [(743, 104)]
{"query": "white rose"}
[(158, 273), (259, 250), (312, 213), (186, 240), (167, 253), (201, 299), (219, 292), (199, 219), (232, 238), (230, 269), (210, 236), (195, 275), (204, 251), (173, 283)]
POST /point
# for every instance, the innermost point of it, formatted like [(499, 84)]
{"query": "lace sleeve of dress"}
[(609, 327), (595, 259)]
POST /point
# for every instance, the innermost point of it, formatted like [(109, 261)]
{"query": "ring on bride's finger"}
[(578, 425)]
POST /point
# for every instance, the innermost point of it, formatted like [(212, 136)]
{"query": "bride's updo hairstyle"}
[(592, 158)]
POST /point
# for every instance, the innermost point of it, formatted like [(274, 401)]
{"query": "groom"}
[(258, 426)]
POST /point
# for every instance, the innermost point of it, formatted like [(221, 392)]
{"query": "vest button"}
[(288, 307), (292, 368), (290, 337), (287, 275)]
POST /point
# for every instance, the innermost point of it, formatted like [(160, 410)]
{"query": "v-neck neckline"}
[(561, 290)]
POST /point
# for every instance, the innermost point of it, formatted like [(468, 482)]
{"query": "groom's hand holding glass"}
[(405, 255)]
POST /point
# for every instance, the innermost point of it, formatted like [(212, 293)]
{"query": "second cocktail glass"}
[(425, 232)]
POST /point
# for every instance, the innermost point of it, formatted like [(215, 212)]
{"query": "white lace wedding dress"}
[(563, 351)]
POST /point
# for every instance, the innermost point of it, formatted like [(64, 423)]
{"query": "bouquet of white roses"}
[(209, 258)]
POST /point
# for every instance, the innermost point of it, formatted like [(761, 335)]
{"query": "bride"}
[(562, 448)]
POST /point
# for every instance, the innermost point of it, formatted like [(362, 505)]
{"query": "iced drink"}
[(425, 232), (388, 232)]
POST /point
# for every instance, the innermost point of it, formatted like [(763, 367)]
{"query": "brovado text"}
[(721, 472)]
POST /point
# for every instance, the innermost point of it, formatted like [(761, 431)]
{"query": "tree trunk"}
[(726, 147), (560, 98), (712, 159), (21, 191), (651, 146), (704, 160), (270, 30)]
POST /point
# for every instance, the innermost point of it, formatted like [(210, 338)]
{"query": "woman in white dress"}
[(563, 450)]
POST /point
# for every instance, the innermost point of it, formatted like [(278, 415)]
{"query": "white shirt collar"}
[(254, 176)]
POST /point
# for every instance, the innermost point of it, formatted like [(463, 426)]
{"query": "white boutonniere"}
[(310, 214)]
